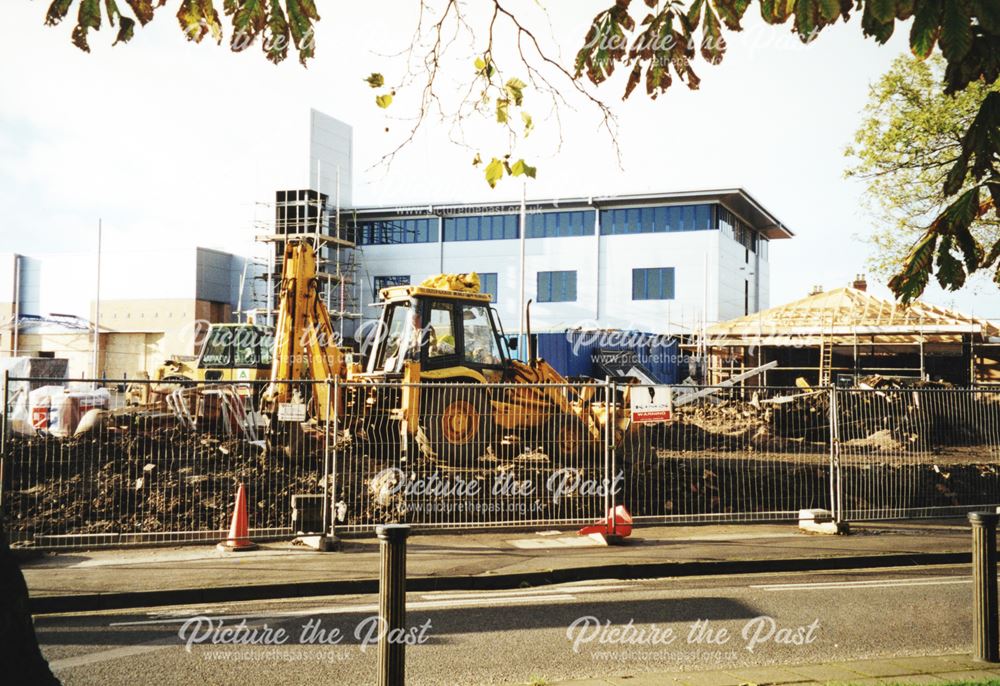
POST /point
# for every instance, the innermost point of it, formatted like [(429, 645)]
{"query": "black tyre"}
[(571, 444), (456, 424)]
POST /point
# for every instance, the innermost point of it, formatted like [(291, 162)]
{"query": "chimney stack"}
[(816, 290), (860, 283)]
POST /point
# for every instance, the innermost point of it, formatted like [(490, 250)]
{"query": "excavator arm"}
[(305, 347)]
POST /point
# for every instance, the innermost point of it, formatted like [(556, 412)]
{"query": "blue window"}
[(386, 281), (488, 284), (653, 284), (556, 287), (554, 224), (384, 232), (662, 219), (737, 229), (480, 227)]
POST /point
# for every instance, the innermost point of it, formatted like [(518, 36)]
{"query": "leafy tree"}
[(908, 139), (658, 41)]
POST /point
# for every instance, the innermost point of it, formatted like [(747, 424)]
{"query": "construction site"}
[(837, 402)]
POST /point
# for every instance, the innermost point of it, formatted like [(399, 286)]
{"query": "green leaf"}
[(528, 124), (956, 31), (375, 80), (693, 15), (88, 17), (276, 38), (883, 10), (926, 27), (515, 90), (731, 12), (126, 28), (301, 15), (872, 25), (950, 273), (502, 105), (383, 100), (111, 7), (911, 280), (521, 167), (713, 46), (494, 172), (249, 21), (957, 175), (57, 11), (829, 10), (988, 13)]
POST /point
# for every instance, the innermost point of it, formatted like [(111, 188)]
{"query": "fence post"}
[(836, 485), (609, 428), (985, 634), (392, 603), (4, 430)]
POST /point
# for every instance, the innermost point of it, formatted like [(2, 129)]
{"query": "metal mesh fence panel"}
[(167, 470), (730, 454), (146, 462), (482, 455), (911, 452)]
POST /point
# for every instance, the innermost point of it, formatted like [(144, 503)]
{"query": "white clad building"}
[(660, 263)]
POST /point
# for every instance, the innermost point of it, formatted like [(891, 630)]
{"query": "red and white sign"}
[(651, 404)]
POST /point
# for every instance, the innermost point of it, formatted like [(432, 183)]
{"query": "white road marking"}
[(873, 583), (348, 609), (519, 592), (105, 655)]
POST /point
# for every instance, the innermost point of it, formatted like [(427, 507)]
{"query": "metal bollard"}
[(392, 603), (985, 635)]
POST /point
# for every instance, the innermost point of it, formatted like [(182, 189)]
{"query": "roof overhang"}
[(736, 199)]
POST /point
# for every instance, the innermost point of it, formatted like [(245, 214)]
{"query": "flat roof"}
[(736, 199)]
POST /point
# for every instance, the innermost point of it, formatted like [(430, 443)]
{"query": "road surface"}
[(604, 628)]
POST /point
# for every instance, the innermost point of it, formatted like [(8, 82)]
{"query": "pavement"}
[(930, 669), (143, 577)]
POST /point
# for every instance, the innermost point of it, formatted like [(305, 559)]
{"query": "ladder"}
[(825, 362)]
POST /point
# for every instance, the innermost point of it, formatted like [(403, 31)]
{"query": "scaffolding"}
[(308, 215)]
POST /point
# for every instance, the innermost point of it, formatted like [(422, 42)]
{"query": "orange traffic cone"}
[(617, 523), (239, 530)]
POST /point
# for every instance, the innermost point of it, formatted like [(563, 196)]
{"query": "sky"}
[(172, 143)]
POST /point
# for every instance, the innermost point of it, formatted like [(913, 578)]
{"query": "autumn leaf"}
[(494, 172), (276, 34), (502, 105), (383, 100), (198, 18), (520, 167), (515, 90), (375, 80), (528, 124), (249, 21), (88, 17)]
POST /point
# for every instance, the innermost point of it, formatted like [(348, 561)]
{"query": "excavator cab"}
[(452, 336), (235, 352)]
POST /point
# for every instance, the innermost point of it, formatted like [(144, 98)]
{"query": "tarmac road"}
[(503, 637)]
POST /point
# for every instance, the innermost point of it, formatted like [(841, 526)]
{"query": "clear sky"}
[(175, 143)]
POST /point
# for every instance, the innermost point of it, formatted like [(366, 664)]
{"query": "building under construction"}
[(842, 335)]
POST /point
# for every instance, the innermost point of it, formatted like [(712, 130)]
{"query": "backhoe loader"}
[(439, 370)]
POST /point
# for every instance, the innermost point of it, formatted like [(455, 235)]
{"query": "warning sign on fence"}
[(651, 404), (291, 412)]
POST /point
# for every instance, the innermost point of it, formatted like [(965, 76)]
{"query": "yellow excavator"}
[(439, 369)]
